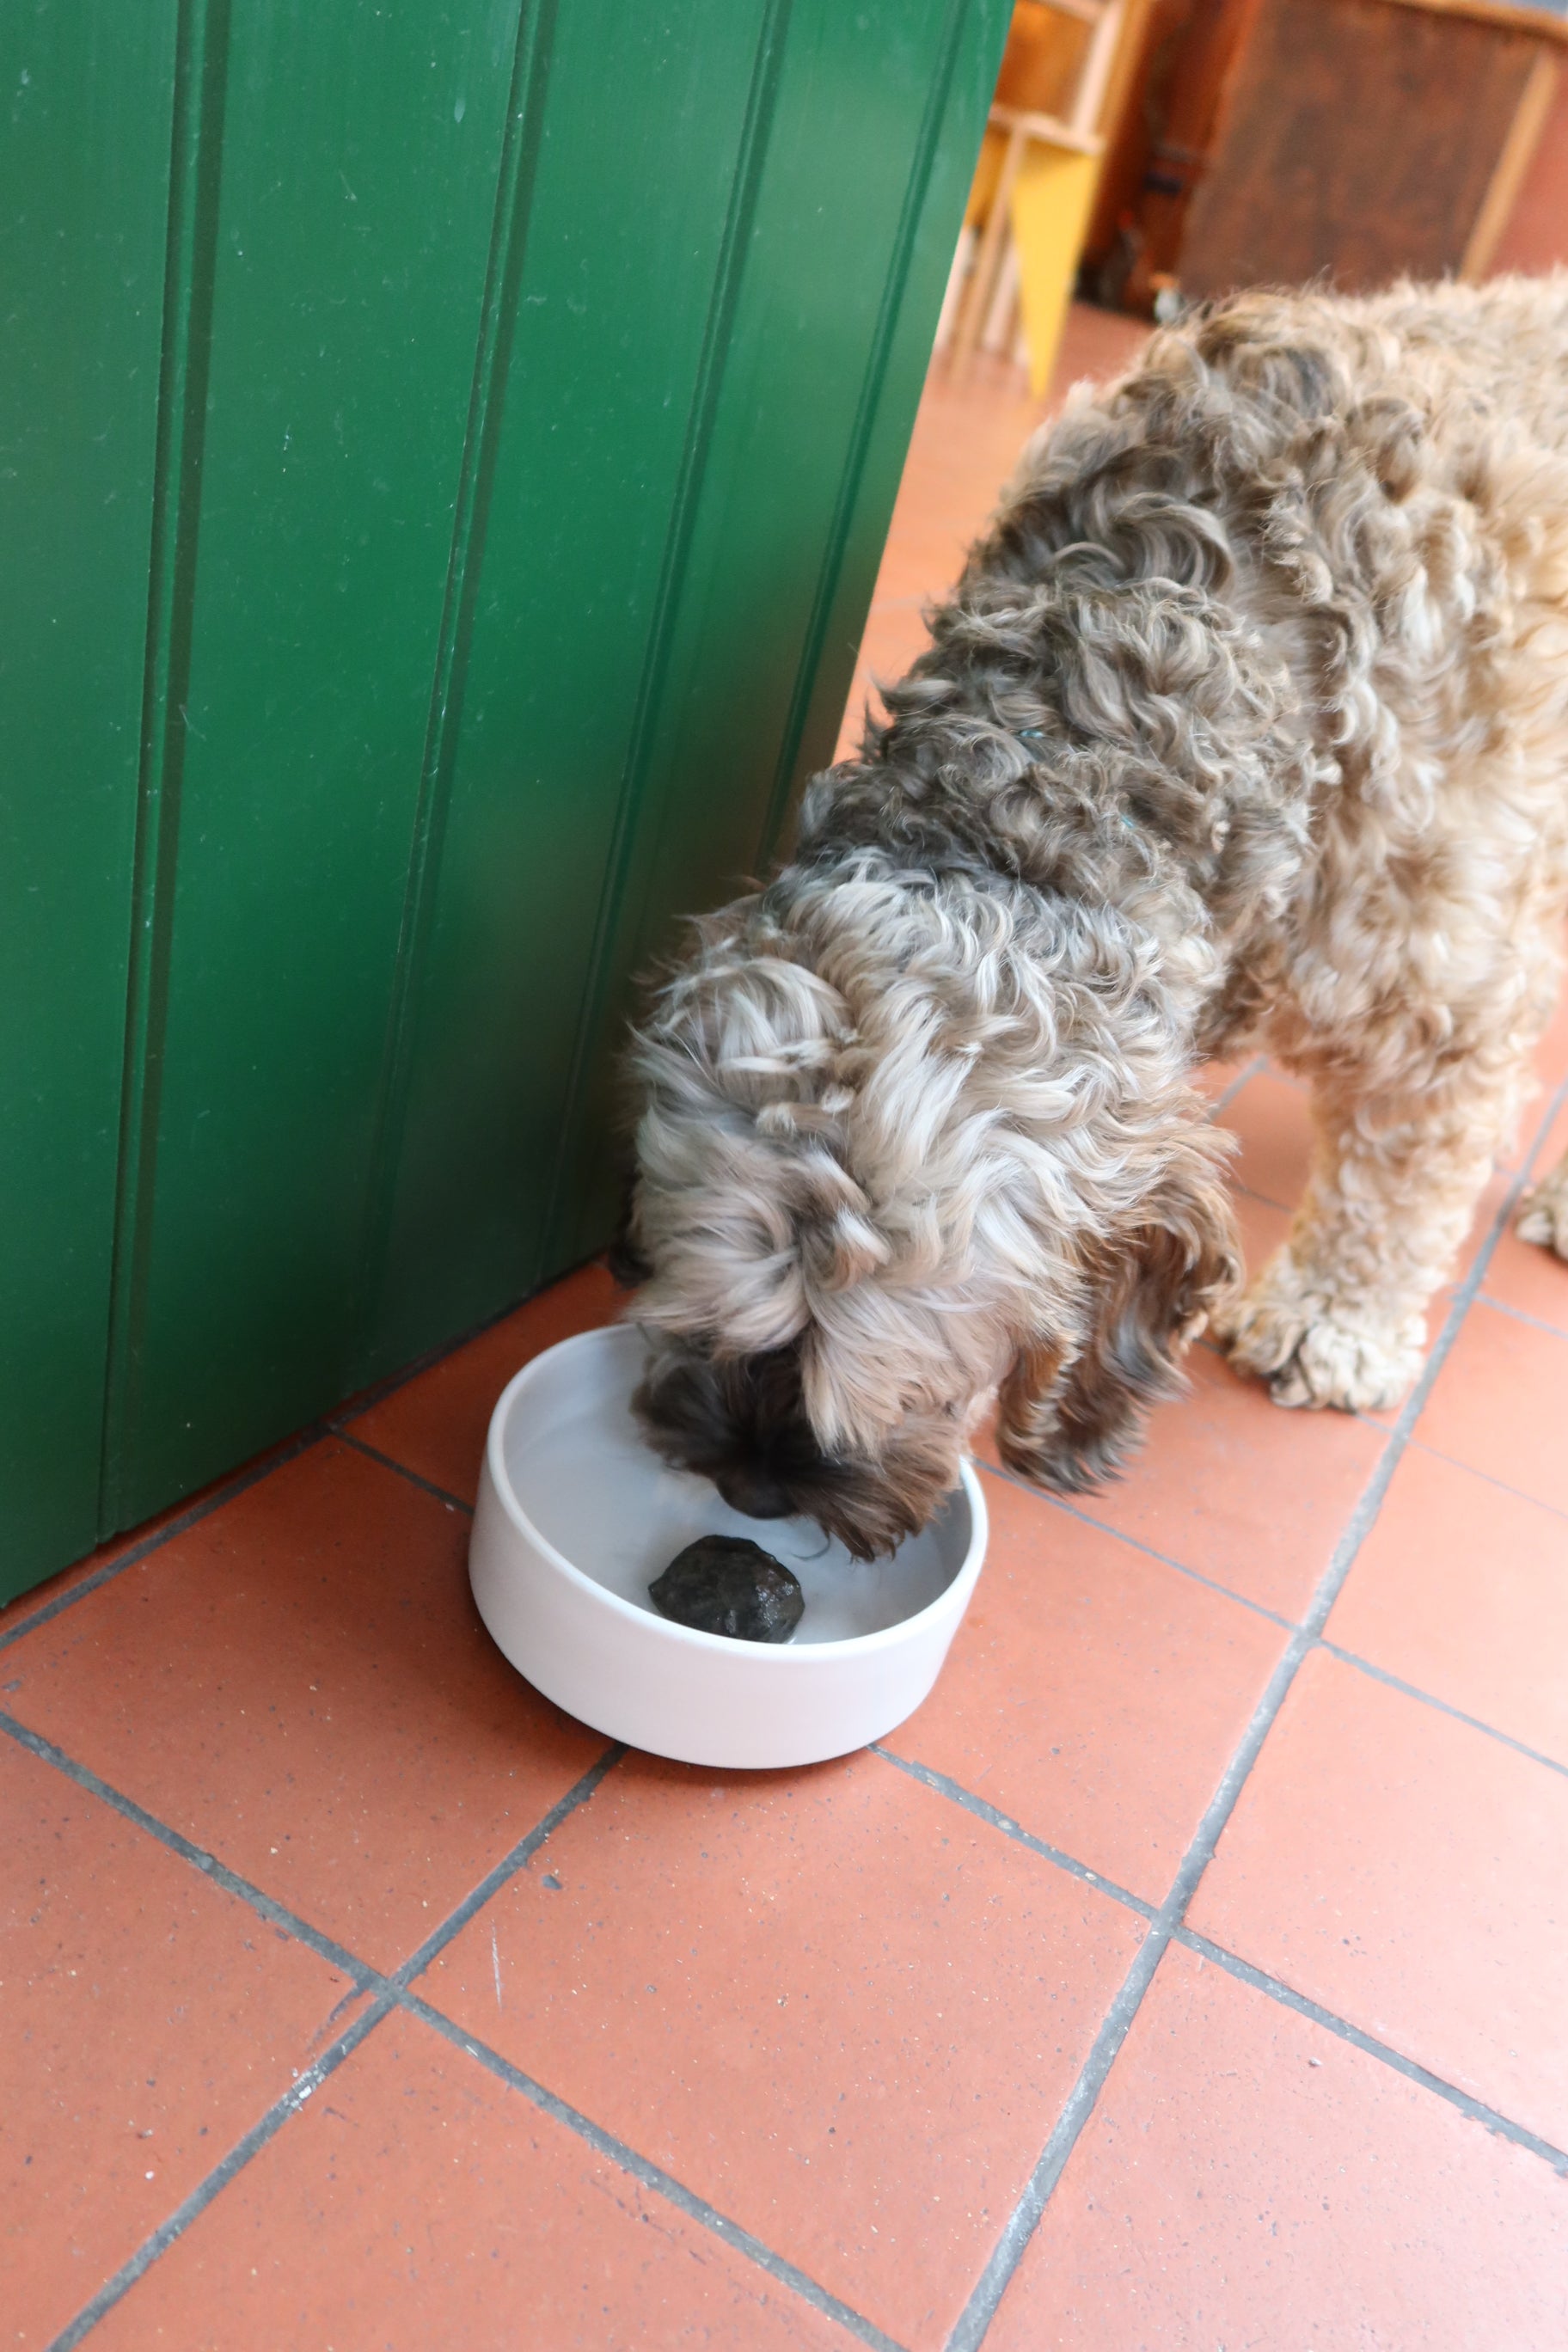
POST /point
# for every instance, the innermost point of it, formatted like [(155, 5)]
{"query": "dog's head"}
[(905, 1141), (742, 1422)]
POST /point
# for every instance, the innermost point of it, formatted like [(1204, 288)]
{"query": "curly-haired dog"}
[(1246, 724)]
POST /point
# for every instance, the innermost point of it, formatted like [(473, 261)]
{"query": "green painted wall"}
[(444, 457)]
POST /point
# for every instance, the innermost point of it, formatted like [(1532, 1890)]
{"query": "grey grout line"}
[(277, 1914), (1411, 1690), (387, 1991), (137, 1551), (958, 1795), (251, 2144), (333, 1425), (945, 1786), (1276, 1989), (1264, 1199), (1435, 1453), (652, 2175), (1227, 1094), (507, 1867), (426, 1486), (384, 1990), (1517, 1314), (1133, 1543), (1008, 2252), (978, 2313), (1288, 1624)]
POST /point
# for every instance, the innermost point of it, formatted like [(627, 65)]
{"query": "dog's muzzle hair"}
[(744, 1424)]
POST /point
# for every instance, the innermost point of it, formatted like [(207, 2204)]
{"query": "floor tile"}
[(1530, 1145), (1501, 1404), (1272, 1119), (1461, 1588), (1248, 2178), (834, 2004), (147, 2019), (927, 556), (435, 1423), (1092, 1694), (1411, 1874), (301, 1685), (1551, 1054), (1212, 1079), (417, 2203), (1249, 1495), (24, 1606), (1483, 1226), (1262, 1228), (1098, 344), (1533, 1281)]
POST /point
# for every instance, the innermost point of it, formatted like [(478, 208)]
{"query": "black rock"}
[(727, 1584)]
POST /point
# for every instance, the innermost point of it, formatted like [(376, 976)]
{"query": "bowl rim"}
[(785, 1655)]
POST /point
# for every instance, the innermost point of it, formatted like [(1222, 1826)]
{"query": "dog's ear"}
[(630, 1269), (1069, 1417)]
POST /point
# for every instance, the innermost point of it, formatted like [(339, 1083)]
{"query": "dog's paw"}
[(1543, 1214), (1315, 1350)]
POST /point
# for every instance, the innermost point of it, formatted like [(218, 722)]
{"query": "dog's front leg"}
[(1338, 1316)]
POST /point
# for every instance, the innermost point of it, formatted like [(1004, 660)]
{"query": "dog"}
[(1246, 727)]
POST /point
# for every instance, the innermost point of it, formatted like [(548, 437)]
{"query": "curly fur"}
[(1246, 723)]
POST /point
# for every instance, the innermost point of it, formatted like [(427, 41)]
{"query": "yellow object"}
[(1051, 198), (1029, 208)]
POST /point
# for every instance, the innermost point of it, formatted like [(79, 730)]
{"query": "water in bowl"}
[(595, 1491)]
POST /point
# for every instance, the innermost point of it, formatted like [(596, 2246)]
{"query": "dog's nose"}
[(755, 1495)]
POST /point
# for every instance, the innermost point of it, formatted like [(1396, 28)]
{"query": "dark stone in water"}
[(727, 1584)]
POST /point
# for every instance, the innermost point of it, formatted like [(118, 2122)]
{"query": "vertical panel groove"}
[(749, 156), (865, 421), (498, 318), (195, 167)]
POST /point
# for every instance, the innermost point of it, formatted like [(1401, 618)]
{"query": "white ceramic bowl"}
[(576, 1517)]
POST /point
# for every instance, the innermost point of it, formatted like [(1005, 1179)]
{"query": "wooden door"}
[(444, 456)]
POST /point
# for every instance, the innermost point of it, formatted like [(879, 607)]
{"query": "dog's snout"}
[(754, 1493)]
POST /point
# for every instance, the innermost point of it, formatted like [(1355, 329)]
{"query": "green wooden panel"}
[(830, 346), (84, 161), (449, 450), (711, 498), (351, 169), (626, 289)]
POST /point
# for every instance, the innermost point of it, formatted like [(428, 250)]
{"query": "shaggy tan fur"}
[(1247, 725)]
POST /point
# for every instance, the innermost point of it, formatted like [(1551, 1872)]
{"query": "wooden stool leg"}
[(988, 262)]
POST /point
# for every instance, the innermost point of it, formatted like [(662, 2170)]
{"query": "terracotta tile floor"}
[(1190, 1971)]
